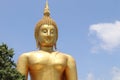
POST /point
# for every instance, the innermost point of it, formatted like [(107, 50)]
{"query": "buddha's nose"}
[(48, 34)]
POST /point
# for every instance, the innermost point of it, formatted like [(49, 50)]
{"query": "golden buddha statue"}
[(47, 63)]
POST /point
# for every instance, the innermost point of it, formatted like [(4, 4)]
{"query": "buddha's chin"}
[(47, 45)]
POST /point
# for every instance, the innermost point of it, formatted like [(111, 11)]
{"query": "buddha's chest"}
[(39, 62)]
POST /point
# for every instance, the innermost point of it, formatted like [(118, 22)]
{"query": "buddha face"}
[(47, 35)]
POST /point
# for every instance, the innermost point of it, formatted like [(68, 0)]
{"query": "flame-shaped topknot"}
[(46, 9)]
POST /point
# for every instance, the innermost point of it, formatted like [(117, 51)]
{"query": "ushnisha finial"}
[(46, 10)]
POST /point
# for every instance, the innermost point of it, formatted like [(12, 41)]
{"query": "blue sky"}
[(89, 30)]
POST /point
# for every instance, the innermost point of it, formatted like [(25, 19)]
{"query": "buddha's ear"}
[(55, 46), (37, 44)]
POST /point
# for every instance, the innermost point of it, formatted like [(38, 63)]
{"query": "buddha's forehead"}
[(47, 26)]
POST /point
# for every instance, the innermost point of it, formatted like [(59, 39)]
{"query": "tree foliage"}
[(7, 66)]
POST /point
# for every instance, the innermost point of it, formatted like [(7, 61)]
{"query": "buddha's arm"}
[(22, 65), (71, 71)]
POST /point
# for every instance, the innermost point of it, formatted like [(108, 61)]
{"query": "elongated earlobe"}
[(55, 46)]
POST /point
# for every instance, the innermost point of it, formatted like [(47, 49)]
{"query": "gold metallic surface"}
[(46, 63)]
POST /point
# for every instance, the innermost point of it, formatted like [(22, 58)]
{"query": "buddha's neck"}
[(47, 49)]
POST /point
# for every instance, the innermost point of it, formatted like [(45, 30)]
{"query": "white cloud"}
[(107, 36), (90, 76), (116, 73)]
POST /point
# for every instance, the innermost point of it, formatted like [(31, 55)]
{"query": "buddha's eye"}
[(44, 31), (52, 31)]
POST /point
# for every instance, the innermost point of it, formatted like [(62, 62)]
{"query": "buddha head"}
[(46, 31)]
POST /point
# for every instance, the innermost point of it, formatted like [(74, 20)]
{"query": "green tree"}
[(7, 66)]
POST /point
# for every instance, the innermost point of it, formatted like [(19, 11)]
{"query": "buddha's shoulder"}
[(27, 54), (66, 55)]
